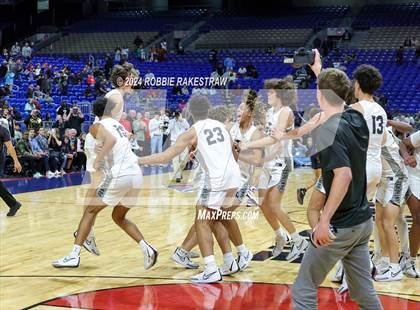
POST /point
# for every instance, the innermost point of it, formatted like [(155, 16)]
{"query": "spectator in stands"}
[(156, 134), (27, 51), (76, 151), (6, 54), (9, 80), (139, 130), (59, 125), (18, 132), (43, 144), (147, 137), (399, 58), (132, 116), (16, 114), (125, 122), (117, 55), (26, 156), (407, 42), (241, 71), (74, 119), (34, 121), (55, 146), (177, 126), (63, 108), (229, 63), (40, 154), (138, 42), (3, 70), (213, 58), (108, 66), (149, 75), (251, 71), (30, 105), (63, 84)]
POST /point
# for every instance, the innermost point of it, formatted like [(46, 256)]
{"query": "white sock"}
[(295, 236), (280, 233), (395, 266), (228, 258), (386, 260), (144, 245), (76, 249), (210, 262), (242, 249)]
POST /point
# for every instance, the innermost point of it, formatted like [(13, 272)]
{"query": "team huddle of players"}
[(253, 152)]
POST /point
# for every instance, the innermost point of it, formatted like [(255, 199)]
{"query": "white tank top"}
[(376, 120), (118, 114), (236, 134), (122, 161), (280, 150), (214, 153)]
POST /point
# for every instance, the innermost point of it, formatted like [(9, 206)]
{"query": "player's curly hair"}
[(120, 73), (255, 106), (220, 113), (285, 90), (368, 77)]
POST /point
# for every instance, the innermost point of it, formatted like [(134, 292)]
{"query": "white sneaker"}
[(150, 257), (207, 276), (90, 244), (37, 175), (344, 287), (181, 257), (69, 261), (410, 268), (338, 274), (381, 266), (232, 268), (192, 254), (391, 274), (298, 248), (57, 174), (244, 260), (50, 175), (280, 243), (252, 201)]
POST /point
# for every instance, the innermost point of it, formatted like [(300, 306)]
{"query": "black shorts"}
[(315, 162)]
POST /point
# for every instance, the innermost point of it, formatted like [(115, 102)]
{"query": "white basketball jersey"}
[(122, 160), (376, 120), (279, 151), (392, 163), (236, 134), (118, 114), (214, 153)]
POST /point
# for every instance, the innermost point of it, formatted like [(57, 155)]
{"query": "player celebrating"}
[(277, 165), (119, 189), (222, 177), (120, 75), (412, 159)]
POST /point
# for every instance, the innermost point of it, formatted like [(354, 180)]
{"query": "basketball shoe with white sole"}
[(244, 259), (70, 261), (207, 276), (298, 248), (181, 257), (410, 268), (150, 257), (391, 274), (90, 244), (338, 274), (232, 268), (281, 241)]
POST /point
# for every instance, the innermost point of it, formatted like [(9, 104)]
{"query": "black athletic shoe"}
[(14, 209), (300, 192)]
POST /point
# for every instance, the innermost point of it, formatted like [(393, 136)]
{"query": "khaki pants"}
[(177, 161)]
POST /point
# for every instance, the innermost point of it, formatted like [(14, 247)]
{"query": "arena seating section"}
[(400, 86)]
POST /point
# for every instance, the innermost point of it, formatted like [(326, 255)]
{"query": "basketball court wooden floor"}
[(43, 231)]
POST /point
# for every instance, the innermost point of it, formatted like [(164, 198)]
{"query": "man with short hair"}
[(342, 230)]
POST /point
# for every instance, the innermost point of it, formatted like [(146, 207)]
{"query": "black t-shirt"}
[(4, 136), (342, 141)]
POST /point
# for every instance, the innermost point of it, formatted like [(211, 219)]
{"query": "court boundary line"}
[(383, 293)]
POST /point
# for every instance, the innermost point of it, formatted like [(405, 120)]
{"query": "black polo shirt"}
[(342, 141), (4, 136)]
